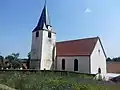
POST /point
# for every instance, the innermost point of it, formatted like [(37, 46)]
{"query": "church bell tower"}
[(43, 48)]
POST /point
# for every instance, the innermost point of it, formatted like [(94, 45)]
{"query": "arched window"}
[(75, 65), (63, 64), (99, 70)]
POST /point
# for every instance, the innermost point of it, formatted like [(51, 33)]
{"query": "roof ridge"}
[(78, 39)]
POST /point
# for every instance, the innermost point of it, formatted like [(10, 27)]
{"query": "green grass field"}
[(53, 81)]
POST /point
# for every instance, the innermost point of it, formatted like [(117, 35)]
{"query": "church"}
[(85, 55)]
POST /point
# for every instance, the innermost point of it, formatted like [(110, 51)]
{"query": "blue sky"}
[(68, 18)]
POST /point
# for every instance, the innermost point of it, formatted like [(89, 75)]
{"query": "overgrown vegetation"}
[(53, 81)]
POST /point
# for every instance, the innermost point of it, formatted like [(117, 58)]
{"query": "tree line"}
[(116, 59), (13, 61)]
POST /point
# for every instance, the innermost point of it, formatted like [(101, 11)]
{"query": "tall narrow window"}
[(99, 70), (63, 64), (37, 34), (75, 65), (49, 34), (99, 51)]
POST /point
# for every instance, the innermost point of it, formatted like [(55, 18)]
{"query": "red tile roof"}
[(80, 47)]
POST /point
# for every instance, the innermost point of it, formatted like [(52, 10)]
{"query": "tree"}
[(28, 61), (13, 60), (116, 59), (15, 55), (10, 57), (1, 58), (1, 63), (108, 59), (29, 55), (16, 64)]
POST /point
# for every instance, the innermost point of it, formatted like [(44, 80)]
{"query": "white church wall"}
[(83, 63), (98, 59), (47, 50), (36, 50)]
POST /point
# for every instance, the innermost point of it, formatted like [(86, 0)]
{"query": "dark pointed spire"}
[(44, 21)]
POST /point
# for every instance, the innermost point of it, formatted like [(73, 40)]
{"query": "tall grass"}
[(53, 81)]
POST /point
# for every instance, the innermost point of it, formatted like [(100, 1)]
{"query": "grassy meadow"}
[(53, 81)]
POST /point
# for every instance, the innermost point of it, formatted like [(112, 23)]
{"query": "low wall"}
[(113, 67), (44, 71)]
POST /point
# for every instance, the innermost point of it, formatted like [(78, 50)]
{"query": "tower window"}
[(49, 34), (37, 34)]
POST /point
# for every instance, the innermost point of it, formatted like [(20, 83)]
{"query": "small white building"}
[(82, 55)]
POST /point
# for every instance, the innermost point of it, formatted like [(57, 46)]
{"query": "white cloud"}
[(88, 10)]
